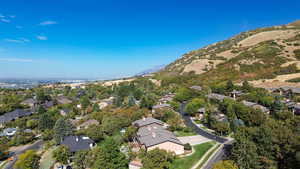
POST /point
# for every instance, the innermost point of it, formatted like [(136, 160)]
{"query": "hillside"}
[(257, 54)]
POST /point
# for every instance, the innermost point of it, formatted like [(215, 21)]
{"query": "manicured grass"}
[(184, 133), (189, 161), (47, 161)]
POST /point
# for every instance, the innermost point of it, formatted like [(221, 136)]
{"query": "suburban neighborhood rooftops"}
[(29, 101), (218, 96), (77, 143), (8, 132), (255, 105), (147, 121), (14, 115), (63, 100), (158, 137), (159, 106)]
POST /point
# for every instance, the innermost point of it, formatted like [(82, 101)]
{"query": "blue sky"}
[(113, 38)]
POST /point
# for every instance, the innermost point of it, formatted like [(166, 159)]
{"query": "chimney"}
[(153, 135)]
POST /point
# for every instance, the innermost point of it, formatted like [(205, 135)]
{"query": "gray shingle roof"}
[(159, 106), (14, 115), (147, 121), (155, 134), (255, 106), (218, 96), (77, 143)]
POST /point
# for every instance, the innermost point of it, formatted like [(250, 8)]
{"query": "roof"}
[(147, 121), (48, 104), (153, 135), (236, 92), (77, 143), (63, 100), (14, 115), (196, 87), (292, 89), (218, 96), (88, 123), (8, 130), (29, 101), (201, 110), (255, 105), (159, 106)]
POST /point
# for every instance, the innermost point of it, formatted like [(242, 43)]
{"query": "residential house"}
[(63, 100), (48, 104), (167, 98), (77, 143), (88, 123), (218, 97), (236, 93), (293, 107), (64, 112), (18, 113), (8, 132), (30, 102), (135, 164), (200, 113), (152, 134), (256, 106), (286, 91)]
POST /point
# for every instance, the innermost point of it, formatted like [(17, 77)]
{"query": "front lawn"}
[(47, 160), (189, 161), (182, 133)]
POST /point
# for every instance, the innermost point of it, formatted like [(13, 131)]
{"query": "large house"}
[(30, 102), (152, 134), (256, 106), (218, 97), (285, 91), (18, 113), (77, 143)]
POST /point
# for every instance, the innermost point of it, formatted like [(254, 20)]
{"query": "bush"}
[(297, 53), (187, 146)]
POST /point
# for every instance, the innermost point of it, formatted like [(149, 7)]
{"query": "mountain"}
[(151, 70), (263, 53)]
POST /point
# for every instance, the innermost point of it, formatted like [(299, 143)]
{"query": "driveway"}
[(188, 122), (194, 140)]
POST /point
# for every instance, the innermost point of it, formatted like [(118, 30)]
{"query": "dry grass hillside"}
[(257, 54)]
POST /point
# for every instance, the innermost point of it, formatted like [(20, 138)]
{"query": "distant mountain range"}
[(151, 70)]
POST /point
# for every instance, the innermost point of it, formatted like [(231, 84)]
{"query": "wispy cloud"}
[(40, 37), (16, 60), (45, 23), (5, 20), (12, 16), (2, 16), (19, 27), (20, 40)]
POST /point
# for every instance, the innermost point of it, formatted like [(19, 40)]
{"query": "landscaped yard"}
[(189, 161), (184, 133), (47, 160)]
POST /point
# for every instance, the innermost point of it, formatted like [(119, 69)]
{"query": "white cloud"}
[(40, 37), (5, 20), (45, 23), (12, 16), (15, 60), (20, 40)]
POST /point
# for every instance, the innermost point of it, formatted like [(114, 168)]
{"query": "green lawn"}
[(188, 162), (184, 133), (47, 161), (208, 155)]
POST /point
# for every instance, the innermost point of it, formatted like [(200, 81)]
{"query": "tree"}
[(85, 102), (183, 94), (80, 161), (108, 156), (95, 132), (3, 147), (28, 160), (131, 101), (45, 121), (147, 102), (192, 107), (130, 132), (62, 154), (158, 159), (229, 85), (228, 164), (41, 97), (246, 86), (61, 129)]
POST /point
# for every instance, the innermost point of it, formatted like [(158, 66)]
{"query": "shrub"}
[(187, 146), (297, 53)]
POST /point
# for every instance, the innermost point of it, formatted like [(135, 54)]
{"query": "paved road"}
[(189, 123), (222, 154), (35, 146)]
